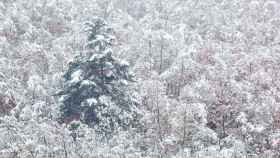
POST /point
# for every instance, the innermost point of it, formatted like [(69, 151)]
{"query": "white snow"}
[(76, 76), (91, 101), (88, 82)]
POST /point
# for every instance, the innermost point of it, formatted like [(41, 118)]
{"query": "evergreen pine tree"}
[(97, 86)]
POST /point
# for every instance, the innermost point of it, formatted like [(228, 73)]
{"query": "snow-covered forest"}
[(139, 79)]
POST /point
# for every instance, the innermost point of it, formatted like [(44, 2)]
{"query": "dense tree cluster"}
[(205, 84)]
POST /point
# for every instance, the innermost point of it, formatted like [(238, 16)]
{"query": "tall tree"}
[(98, 86)]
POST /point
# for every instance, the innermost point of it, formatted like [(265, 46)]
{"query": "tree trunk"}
[(161, 59)]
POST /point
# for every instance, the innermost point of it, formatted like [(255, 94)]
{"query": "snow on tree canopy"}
[(76, 76), (97, 86)]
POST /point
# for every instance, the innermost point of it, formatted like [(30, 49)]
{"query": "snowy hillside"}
[(139, 79)]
